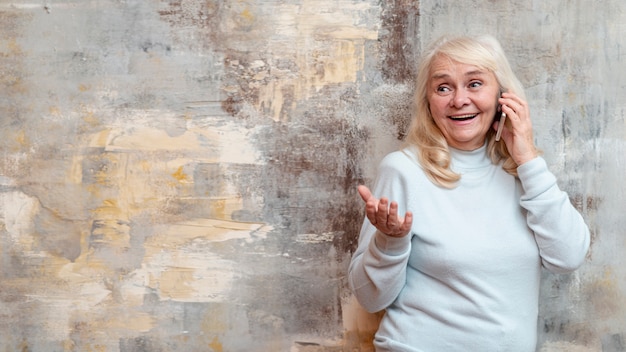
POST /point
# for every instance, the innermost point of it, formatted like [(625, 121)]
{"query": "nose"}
[(459, 98)]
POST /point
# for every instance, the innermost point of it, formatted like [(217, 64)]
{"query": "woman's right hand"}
[(384, 216)]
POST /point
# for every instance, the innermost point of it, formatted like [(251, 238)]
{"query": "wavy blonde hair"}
[(432, 148)]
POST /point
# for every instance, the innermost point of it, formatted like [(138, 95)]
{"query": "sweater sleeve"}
[(377, 271), (560, 231)]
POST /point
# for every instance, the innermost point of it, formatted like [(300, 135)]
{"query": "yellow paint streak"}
[(24, 346), (216, 345), (109, 209), (11, 48), (247, 16), (607, 281), (99, 140), (145, 166), (94, 190), (14, 47), (20, 138), (90, 118), (68, 345), (54, 110), (217, 208), (180, 175)]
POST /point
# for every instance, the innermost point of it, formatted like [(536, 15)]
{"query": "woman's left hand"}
[(518, 130)]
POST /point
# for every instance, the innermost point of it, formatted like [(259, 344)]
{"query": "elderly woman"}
[(460, 223)]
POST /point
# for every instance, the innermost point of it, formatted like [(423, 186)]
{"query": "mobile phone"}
[(502, 119)]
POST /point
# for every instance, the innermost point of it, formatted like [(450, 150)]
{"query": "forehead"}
[(444, 67)]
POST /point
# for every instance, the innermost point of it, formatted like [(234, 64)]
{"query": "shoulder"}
[(403, 159), (402, 164)]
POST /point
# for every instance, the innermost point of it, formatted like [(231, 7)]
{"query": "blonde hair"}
[(432, 148)]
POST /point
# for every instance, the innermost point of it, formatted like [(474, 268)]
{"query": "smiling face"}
[(463, 102)]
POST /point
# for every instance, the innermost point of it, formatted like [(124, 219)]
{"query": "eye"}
[(443, 89), (475, 84)]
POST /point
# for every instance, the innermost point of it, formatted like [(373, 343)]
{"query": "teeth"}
[(463, 117)]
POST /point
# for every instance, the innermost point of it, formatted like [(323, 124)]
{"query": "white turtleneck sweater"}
[(466, 278)]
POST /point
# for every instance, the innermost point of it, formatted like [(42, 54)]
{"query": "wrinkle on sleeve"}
[(560, 231)]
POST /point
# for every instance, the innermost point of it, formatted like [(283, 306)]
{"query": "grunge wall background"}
[(180, 175)]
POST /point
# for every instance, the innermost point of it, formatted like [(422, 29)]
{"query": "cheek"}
[(437, 107)]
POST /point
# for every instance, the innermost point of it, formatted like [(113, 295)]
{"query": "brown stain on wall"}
[(400, 23), (606, 297)]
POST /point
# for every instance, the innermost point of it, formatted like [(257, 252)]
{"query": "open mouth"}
[(463, 117)]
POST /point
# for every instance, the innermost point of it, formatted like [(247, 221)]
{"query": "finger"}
[(408, 222), (392, 218), (364, 192), (514, 106), (371, 203), (382, 211), (510, 111), (370, 212), (513, 98)]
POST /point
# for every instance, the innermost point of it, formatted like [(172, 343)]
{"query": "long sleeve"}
[(377, 271), (560, 231)]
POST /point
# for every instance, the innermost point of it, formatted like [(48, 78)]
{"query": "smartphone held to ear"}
[(500, 125), (501, 119)]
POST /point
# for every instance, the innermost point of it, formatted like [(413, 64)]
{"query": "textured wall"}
[(179, 175)]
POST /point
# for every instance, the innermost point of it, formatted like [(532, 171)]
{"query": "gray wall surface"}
[(180, 175)]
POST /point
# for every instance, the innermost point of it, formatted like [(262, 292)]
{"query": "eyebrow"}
[(470, 73)]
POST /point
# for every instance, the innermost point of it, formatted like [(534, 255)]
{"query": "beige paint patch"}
[(18, 210), (210, 230), (129, 321), (180, 267), (175, 283), (187, 274), (149, 139), (229, 143)]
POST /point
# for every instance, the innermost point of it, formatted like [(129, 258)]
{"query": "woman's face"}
[(463, 101)]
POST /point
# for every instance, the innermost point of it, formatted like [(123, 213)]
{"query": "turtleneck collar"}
[(467, 160)]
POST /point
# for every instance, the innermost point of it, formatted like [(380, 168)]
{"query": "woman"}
[(459, 224)]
